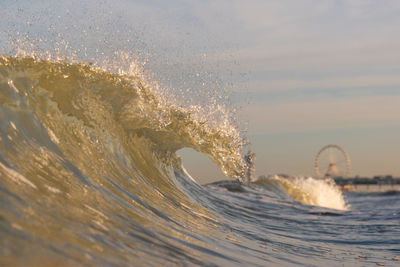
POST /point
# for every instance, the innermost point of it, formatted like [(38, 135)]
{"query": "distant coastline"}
[(386, 183)]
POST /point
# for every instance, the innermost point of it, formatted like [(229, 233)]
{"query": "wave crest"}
[(117, 105), (308, 190)]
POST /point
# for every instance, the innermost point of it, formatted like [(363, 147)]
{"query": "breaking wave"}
[(307, 190), (90, 155)]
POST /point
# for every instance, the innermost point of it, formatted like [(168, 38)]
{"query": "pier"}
[(378, 184)]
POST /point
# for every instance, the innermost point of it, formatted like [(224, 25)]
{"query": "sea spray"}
[(125, 102)]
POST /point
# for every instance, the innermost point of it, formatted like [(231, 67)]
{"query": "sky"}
[(316, 73), (308, 74), (302, 74)]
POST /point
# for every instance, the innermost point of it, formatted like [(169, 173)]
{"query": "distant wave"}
[(307, 190)]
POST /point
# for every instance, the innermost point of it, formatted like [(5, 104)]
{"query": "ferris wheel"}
[(332, 161)]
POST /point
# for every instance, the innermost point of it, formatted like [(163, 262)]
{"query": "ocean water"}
[(89, 176)]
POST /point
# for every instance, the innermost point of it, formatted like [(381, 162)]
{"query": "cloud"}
[(325, 114), (351, 84)]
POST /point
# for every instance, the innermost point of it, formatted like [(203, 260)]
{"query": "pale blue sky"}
[(304, 73), (314, 73)]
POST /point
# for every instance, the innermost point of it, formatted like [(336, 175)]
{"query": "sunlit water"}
[(89, 176)]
